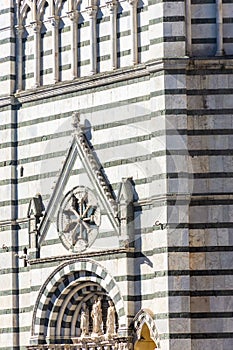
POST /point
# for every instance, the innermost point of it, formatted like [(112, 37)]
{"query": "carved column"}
[(54, 20), (92, 11), (20, 31), (36, 28), (188, 29), (112, 6), (134, 30), (219, 28), (73, 15)]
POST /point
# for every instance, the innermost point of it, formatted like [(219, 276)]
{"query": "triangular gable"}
[(80, 148)]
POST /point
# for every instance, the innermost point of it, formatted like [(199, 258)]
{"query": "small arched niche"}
[(145, 342)]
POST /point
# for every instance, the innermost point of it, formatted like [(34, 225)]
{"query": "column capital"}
[(111, 5), (73, 15), (19, 30), (133, 2), (92, 11), (36, 26), (54, 20)]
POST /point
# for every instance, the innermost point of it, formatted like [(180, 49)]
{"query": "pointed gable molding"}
[(80, 147), (96, 176), (58, 190)]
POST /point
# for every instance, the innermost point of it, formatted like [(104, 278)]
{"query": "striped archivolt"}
[(146, 331), (57, 310)]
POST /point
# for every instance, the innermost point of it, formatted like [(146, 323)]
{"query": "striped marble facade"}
[(152, 82)]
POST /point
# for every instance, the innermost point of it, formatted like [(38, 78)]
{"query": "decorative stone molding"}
[(62, 258), (78, 85), (93, 164), (118, 343)]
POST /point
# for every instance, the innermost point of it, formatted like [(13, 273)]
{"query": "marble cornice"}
[(79, 84), (86, 255), (115, 76), (7, 100), (83, 83)]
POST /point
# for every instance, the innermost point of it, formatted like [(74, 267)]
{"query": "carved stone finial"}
[(125, 194), (75, 120), (35, 207)]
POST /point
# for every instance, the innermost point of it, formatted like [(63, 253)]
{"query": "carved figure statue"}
[(96, 315), (84, 323), (100, 312), (110, 324)]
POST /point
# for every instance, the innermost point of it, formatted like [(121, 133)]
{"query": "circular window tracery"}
[(79, 219)]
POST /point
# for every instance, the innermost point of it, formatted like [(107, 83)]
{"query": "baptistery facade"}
[(116, 174)]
